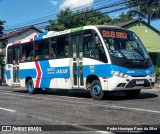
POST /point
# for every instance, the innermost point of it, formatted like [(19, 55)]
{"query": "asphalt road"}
[(76, 110)]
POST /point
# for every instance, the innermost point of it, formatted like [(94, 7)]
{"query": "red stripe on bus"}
[(38, 74), (36, 36), (16, 43), (31, 40)]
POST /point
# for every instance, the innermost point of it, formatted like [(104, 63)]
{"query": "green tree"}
[(67, 19), (146, 9), (62, 22), (1, 44), (123, 17), (1, 27)]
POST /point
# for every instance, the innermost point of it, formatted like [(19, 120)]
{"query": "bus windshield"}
[(124, 44)]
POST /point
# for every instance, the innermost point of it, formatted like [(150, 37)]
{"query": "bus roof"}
[(53, 33)]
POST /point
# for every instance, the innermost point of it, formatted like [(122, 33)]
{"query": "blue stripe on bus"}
[(105, 70), (64, 72), (8, 74), (40, 36), (137, 72), (52, 72), (28, 72), (45, 81)]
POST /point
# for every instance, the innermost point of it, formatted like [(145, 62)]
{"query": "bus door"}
[(15, 57), (77, 61)]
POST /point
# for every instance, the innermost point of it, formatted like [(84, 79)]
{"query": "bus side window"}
[(53, 48), (45, 50), (27, 52), (59, 47), (62, 47), (29, 56), (42, 50), (9, 56), (90, 49), (102, 54), (66, 47)]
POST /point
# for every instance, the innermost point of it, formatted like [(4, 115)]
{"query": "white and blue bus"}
[(95, 58)]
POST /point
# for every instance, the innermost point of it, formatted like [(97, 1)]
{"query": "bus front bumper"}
[(130, 83)]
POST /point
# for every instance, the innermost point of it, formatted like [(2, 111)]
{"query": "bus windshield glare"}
[(124, 44)]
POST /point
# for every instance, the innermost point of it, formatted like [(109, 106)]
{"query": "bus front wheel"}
[(30, 87), (96, 90), (132, 93)]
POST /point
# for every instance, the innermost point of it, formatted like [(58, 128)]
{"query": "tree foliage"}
[(68, 19), (1, 27), (123, 17), (146, 9)]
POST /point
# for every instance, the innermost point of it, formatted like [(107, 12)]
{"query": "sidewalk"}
[(156, 88)]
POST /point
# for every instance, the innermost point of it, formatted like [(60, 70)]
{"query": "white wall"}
[(26, 35)]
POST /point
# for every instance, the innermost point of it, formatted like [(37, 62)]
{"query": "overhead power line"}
[(111, 5)]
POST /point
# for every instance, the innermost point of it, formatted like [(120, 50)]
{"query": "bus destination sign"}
[(114, 34)]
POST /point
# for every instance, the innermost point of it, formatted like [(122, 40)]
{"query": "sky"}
[(18, 13)]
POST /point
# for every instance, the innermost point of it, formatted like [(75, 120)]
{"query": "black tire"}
[(96, 90), (132, 93), (30, 87)]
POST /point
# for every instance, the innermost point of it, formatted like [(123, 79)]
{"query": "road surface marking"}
[(6, 109), (94, 104)]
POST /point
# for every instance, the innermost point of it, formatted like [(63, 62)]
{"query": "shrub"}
[(157, 73)]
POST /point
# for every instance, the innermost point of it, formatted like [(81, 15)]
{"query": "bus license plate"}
[(139, 81)]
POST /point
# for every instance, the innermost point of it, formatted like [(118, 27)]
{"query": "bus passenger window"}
[(46, 54), (53, 48), (27, 51), (30, 56), (102, 54), (93, 50), (23, 58), (9, 55), (62, 47), (59, 47), (66, 45), (42, 50), (90, 48)]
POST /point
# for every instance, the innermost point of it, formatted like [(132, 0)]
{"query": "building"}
[(149, 36), (23, 33)]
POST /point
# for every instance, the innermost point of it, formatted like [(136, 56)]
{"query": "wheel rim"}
[(30, 87), (96, 90)]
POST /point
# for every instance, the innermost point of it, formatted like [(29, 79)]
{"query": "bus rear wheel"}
[(96, 90), (30, 87), (132, 93)]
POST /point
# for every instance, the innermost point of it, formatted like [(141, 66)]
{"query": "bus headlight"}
[(119, 74), (152, 74)]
